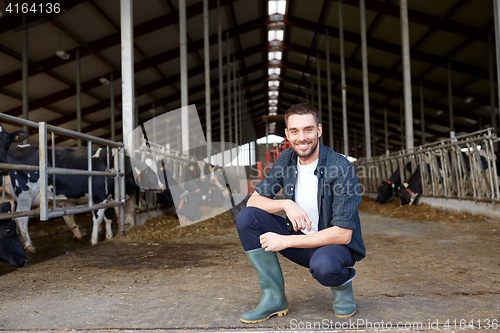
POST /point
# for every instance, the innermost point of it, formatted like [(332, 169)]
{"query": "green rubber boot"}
[(344, 305), (272, 285)]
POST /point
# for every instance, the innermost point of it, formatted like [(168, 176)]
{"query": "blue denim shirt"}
[(338, 197)]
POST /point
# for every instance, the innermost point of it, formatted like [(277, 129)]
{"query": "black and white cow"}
[(390, 188), (11, 248), (412, 189), (187, 201), (206, 179), (26, 185)]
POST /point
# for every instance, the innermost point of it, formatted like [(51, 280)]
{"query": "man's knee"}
[(246, 217), (329, 274)]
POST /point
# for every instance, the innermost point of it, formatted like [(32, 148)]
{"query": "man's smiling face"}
[(303, 134)]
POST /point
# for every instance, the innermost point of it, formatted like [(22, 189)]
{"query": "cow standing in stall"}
[(26, 184)]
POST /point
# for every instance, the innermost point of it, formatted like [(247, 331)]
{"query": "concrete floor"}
[(422, 275)]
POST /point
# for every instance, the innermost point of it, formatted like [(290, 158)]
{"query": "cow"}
[(205, 179), (11, 248), (26, 185), (390, 188), (410, 190), (188, 200)]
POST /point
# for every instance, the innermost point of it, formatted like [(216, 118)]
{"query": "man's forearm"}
[(329, 236), (269, 205)]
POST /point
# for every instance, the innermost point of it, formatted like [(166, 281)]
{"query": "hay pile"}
[(422, 212), (166, 227)]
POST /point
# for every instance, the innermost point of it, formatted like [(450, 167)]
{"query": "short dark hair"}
[(302, 108)]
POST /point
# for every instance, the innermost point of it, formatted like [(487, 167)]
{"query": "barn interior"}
[(277, 53)]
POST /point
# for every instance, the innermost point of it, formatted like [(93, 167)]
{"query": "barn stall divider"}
[(44, 212), (464, 167)]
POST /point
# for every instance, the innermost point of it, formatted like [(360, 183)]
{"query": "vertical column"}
[(208, 102), (342, 79), (221, 82), (78, 96), (329, 87), (366, 92), (405, 39), (184, 75), (112, 104), (355, 142), (136, 110), (235, 90), (320, 104), (267, 135), (25, 74), (491, 84), (450, 102), (127, 44), (401, 121), (386, 131), (496, 12), (422, 113), (229, 89)]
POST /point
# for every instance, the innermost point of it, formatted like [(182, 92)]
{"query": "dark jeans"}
[(327, 264)]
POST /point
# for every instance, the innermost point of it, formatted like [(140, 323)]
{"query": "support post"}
[(366, 92), (127, 44), (112, 104), (208, 102), (422, 113), (342, 79), (450, 102), (320, 104), (329, 87), (78, 97), (221, 81), (25, 74), (492, 85), (386, 131), (496, 12), (229, 91), (184, 75)]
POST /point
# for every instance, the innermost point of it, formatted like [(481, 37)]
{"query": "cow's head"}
[(386, 191), (6, 139), (406, 195), (148, 175), (11, 248)]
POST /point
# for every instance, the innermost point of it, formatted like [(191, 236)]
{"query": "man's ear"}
[(320, 130), (286, 134)]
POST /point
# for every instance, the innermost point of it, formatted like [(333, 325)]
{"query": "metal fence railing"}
[(45, 170), (462, 167)]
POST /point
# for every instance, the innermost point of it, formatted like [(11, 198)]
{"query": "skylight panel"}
[(275, 55), (275, 35), (274, 71), (277, 7)]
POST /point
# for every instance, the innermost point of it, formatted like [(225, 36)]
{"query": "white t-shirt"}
[(306, 193)]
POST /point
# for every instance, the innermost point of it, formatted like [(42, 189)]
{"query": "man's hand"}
[(271, 241), (297, 216)]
